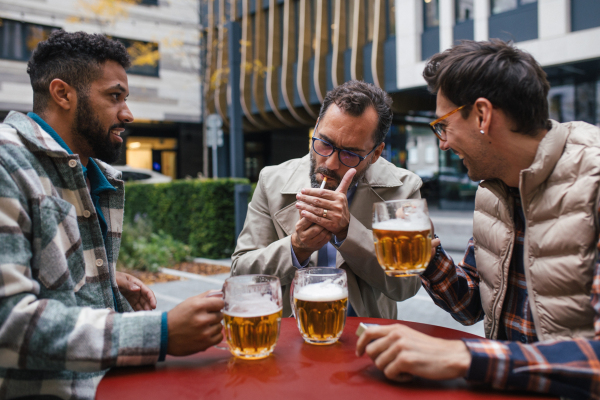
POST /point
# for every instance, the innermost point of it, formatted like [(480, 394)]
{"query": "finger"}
[(312, 209), (325, 223), (328, 200), (209, 304), (302, 224), (369, 335), (346, 181), (148, 296)]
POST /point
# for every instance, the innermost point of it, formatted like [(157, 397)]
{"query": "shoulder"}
[(582, 133), (386, 175), (281, 174)]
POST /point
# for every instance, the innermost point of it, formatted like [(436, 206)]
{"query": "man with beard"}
[(292, 223), (65, 312)]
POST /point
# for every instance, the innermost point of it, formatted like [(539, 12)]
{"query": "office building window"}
[(464, 10), (500, 6), (349, 22), (19, 39), (369, 20), (144, 56), (149, 2), (431, 13), (391, 17)]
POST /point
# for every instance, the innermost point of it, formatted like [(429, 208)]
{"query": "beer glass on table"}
[(320, 303), (402, 236), (253, 309)]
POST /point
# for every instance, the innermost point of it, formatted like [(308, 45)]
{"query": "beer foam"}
[(322, 291), (252, 305), (410, 224)]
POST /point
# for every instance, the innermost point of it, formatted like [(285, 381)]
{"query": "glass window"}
[(370, 19), (431, 13), (144, 56), (19, 39), (561, 100), (391, 18), (500, 6), (349, 23), (149, 2), (464, 10)]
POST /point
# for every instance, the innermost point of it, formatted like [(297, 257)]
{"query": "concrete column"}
[(554, 18), (481, 13), (446, 24)]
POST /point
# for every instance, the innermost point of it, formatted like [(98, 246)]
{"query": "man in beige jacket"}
[(292, 223), (531, 270)]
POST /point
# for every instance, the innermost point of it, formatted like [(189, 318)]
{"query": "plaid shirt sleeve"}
[(566, 368), (455, 288)]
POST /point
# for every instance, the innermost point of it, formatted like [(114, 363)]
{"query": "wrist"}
[(301, 253)]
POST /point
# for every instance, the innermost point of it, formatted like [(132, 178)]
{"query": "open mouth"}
[(117, 133)]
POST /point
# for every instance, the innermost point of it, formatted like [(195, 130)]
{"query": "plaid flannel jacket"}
[(568, 368), (59, 332)]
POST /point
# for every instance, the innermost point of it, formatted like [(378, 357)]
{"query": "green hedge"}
[(199, 213)]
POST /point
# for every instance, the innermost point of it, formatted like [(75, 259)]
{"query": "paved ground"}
[(454, 229)]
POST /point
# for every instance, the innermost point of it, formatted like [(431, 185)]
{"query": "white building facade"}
[(164, 83)]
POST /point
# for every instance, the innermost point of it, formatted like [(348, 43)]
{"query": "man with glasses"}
[(531, 270), (292, 223)]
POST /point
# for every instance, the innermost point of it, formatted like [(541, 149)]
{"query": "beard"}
[(327, 172), (88, 131)]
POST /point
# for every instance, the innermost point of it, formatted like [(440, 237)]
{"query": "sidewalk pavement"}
[(453, 227)]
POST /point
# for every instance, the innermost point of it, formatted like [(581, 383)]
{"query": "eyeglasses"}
[(326, 149), (439, 129)]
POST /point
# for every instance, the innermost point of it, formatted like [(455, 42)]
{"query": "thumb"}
[(134, 287), (346, 180)]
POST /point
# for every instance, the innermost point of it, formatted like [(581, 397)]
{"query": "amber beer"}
[(321, 312), (402, 251), (250, 335)]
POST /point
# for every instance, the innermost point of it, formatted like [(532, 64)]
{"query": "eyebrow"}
[(353, 149), (117, 87)]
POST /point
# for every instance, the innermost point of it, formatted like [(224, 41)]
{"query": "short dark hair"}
[(354, 97), (74, 57), (511, 79)]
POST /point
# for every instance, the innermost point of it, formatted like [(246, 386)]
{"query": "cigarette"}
[(323, 183)]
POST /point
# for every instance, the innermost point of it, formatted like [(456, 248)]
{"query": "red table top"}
[(295, 370)]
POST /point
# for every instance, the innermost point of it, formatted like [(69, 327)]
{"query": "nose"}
[(444, 145), (333, 162), (125, 115)]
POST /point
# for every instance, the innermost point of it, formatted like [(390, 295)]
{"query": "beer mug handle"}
[(292, 285)]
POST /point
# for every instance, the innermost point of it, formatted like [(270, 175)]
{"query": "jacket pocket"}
[(57, 261)]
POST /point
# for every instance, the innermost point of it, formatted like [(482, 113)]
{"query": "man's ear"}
[(377, 152), (63, 94)]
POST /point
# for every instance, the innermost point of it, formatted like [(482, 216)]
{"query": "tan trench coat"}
[(264, 245)]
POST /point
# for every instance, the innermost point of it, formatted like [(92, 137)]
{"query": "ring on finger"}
[(324, 213)]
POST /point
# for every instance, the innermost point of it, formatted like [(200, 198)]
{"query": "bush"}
[(145, 250), (199, 213)]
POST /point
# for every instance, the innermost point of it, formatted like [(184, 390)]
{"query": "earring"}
[(482, 132)]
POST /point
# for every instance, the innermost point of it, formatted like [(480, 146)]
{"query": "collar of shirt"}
[(98, 182)]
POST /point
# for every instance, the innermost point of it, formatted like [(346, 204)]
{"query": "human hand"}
[(308, 238), (327, 208), (139, 296), (401, 353), (195, 325), (435, 242)]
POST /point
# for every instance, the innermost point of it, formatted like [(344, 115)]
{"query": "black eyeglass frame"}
[(361, 158)]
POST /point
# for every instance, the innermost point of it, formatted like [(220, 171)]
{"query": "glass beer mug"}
[(402, 236), (320, 303), (253, 308)]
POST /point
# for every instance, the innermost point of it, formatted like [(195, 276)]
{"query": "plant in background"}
[(145, 250)]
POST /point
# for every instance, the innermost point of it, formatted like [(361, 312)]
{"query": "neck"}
[(519, 154), (62, 123)]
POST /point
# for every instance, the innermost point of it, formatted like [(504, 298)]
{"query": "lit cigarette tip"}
[(324, 182)]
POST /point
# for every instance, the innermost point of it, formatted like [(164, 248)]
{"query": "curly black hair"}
[(354, 97), (74, 57)]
